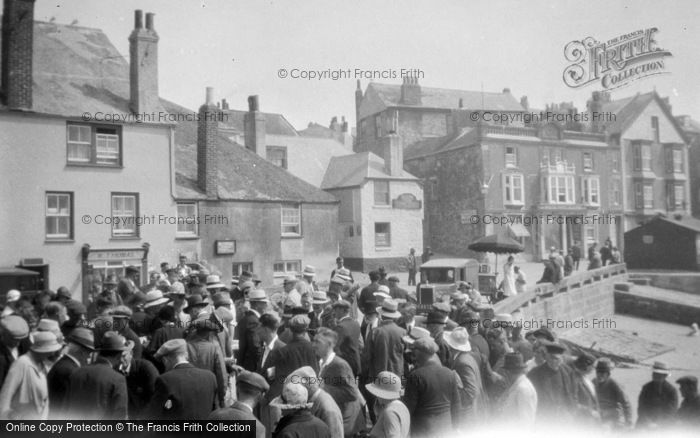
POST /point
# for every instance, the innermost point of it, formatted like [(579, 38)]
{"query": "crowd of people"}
[(560, 264), (348, 360)]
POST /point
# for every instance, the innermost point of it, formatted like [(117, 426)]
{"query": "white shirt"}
[(255, 312), (322, 363), (267, 350)]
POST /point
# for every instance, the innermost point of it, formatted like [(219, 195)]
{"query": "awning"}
[(519, 230)]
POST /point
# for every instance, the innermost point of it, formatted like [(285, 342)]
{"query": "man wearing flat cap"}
[(556, 389), (348, 330), (432, 393), (183, 391), (689, 412), (250, 388), (615, 409), (588, 409), (98, 391), (80, 346), (14, 334), (248, 341), (204, 350)]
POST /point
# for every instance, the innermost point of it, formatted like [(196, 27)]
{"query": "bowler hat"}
[(45, 342), (15, 326), (83, 337), (514, 361), (113, 341), (386, 386)]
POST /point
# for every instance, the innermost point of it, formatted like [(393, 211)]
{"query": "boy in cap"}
[(183, 391), (611, 398), (98, 391), (24, 394), (250, 389)]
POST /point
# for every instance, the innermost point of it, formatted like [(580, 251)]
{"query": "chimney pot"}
[(210, 96), (138, 19), (149, 20)]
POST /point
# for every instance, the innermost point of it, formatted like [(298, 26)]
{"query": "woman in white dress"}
[(509, 278)]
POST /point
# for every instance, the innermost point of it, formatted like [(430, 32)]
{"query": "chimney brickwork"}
[(143, 52), (207, 146), (17, 46), (254, 127)]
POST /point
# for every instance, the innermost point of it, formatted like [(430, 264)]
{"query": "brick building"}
[(691, 129), (381, 207)]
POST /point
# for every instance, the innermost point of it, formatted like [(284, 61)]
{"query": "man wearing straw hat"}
[(517, 406), (658, 400), (98, 391), (25, 395), (467, 368), (393, 419)]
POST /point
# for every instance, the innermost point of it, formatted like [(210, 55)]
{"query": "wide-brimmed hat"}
[(386, 386), (294, 396), (389, 309), (320, 297), (661, 368), (382, 291), (83, 337), (258, 295), (155, 297), (415, 334), (514, 361), (458, 339), (309, 271), (113, 341), (45, 342), (214, 282)]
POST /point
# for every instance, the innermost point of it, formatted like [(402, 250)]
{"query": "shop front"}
[(99, 263)]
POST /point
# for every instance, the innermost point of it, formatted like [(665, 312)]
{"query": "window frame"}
[(509, 188), (137, 229), (377, 243), (655, 134), (569, 189), (678, 161), (588, 190), (378, 131), (299, 231), (71, 214), (588, 162), (387, 195), (186, 234), (277, 149), (678, 201), (93, 161), (513, 160), (242, 266), (286, 268), (648, 187), (646, 156)]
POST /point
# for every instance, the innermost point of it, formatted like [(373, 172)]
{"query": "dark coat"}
[(551, 273), (689, 412), (238, 411), (339, 382), (184, 393), (207, 355), (141, 384), (58, 381), (296, 354), (6, 358), (385, 349), (657, 404), (348, 346), (247, 341), (367, 296), (556, 391), (301, 424), (98, 392), (432, 398), (467, 368)]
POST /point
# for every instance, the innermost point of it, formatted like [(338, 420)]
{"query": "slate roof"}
[(76, 70), (686, 222), (449, 99), (353, 170), (242, 174), (275, 124), (464, 137)]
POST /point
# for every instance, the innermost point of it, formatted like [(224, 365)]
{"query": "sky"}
[(238, 47)]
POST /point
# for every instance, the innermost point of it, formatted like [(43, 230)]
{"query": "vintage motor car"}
[(439, 277)]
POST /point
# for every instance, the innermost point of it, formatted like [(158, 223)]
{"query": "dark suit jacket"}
[(339, 382), (301, 424), (98, 392), (385, 349), (184, 393), (348, 346), (296, 354), (58, 383), (238, 411), (468, 369), (141, 384), (556, 391), (247, 342)]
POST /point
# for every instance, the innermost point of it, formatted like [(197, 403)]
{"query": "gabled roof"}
[(443, 98), (242, 174), (353, 170), (275, 124), (686, 222), (627, 110), (77, 70)]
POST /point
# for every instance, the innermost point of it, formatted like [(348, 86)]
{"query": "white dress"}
[(509, 280)]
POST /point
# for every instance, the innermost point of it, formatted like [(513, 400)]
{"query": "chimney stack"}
[(524, 103), (254, 127), (393, 154), (207, 145), (358, 102), (595, 105), (17, 48), (143, 60), (410, 91)]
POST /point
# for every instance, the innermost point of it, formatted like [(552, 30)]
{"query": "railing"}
[(547, 290), (508, 130)]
